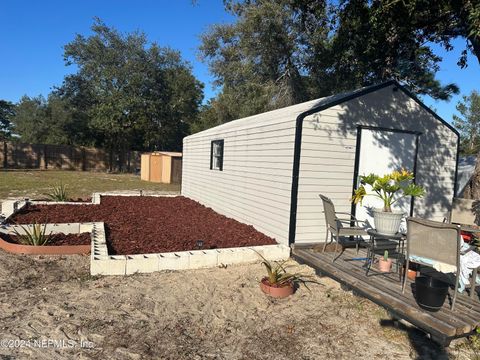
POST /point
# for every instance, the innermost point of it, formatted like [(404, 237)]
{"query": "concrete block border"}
[(102, 263), (10, 207)]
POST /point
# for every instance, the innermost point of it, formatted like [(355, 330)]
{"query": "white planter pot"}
[(387, 223)]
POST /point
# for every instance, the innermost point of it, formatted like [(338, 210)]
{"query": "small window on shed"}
[(216, 155)]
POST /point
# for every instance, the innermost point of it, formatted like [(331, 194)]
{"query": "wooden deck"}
[(385, 290)]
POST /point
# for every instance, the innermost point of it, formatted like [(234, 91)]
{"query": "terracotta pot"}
[(384, 266), (411, 274), (44, 250), (276, 292)]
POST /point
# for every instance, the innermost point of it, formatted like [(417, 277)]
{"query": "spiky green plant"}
[(34, 235), (58, 193), (385, 255), (389, 188), (278, 276)]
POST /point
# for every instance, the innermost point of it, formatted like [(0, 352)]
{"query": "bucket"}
[(430, 293)]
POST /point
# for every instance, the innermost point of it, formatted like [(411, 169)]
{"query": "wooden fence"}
[(15, 155)]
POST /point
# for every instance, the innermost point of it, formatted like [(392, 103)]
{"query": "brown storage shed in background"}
[(162, 167)]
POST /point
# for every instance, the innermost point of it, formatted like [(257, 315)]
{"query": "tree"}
[(370, 45), (7, 111), (281, 52), (135, 95), (468, 123), (441, 21), (44, 121), (29, 120), (259, 61)]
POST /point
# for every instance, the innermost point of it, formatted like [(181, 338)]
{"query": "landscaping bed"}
[(55, 239), (142, 224)]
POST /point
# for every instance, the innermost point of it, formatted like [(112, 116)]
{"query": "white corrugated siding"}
[(255, 184), (328, 156)]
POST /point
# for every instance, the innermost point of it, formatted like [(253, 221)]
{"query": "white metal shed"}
[(267, 170)]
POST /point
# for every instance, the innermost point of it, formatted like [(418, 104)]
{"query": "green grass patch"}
[(35, 184)]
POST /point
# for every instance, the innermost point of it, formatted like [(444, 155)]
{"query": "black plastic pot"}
[(430, 293)]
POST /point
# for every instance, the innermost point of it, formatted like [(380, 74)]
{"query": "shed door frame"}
[(357, 158)]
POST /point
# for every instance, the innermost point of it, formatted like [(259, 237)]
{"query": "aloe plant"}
[(58, 193), (34, 235)]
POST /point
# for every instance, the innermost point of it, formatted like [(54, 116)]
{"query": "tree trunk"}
[(472, 190)]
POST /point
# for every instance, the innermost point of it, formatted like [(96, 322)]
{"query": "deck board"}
[(386, 291)]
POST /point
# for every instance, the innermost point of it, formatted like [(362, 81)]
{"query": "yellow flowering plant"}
[(389, 188)]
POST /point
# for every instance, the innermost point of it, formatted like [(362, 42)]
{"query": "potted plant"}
[(279, 283), (385, 263), (390, 188)]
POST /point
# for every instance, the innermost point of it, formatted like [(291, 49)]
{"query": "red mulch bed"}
[(142, 224), (56, 239)]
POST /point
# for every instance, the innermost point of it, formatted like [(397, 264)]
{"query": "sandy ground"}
[(200, 314)]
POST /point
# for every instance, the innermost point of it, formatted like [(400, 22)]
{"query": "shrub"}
[(58, 193)]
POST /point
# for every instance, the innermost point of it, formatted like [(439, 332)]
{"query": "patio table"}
[(395, 244)]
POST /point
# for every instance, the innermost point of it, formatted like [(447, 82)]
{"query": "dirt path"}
[(201, 314)]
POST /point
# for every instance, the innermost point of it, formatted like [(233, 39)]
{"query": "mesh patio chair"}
[(341, 230), (436, 241), (464, 211)]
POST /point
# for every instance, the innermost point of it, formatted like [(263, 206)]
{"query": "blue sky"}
[(34, 32)]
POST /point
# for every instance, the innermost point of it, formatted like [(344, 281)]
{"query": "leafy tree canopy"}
[(468, 123), (281, 52), (45, 121), (134, 94), (7, 111), (126, 93)]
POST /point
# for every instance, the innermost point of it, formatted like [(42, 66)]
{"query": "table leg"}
[(402, 257), (473, 282), (370, 254)]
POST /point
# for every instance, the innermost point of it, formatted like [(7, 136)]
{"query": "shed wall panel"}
[(333, 132), (254, 186)]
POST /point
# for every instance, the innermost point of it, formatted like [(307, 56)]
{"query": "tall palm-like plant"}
[(389, 188)]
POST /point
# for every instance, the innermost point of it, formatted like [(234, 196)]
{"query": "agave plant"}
[(389, 188), (278, 276), (34, 235), (58, 193)]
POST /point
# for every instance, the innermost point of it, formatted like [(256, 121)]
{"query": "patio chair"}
[(435, 241), (341, 229), (464, 211)]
